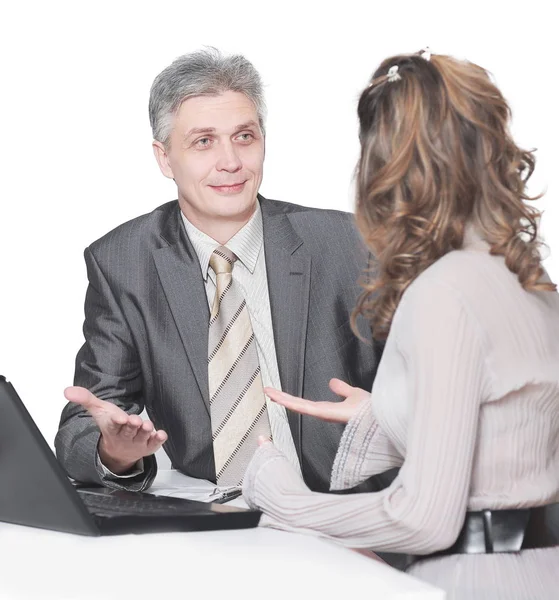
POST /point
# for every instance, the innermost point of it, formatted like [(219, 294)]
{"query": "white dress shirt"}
[(250, 274)]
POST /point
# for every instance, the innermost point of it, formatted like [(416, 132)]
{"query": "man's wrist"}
[(118, 467)]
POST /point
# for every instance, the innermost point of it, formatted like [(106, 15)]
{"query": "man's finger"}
[(161, 436), (144, 432), (130, 429), (156, 440), (108, 416), (83, 396), (135, 420), (114, 423)]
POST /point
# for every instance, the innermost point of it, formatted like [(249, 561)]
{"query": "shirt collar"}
[(246, 243)]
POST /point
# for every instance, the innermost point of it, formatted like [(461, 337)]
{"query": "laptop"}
[(35, 491)]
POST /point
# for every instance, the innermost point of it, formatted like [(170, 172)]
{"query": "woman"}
[(466, 399)]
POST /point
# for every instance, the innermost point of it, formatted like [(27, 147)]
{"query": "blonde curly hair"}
[(437, 154)]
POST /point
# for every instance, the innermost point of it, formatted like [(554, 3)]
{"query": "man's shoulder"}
[(326, 233), (305, 213), (312, 223), (137, 230)]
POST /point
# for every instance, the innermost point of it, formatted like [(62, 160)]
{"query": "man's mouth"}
[(231, 188)]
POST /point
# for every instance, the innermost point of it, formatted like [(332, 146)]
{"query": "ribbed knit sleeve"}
[(364, 450)]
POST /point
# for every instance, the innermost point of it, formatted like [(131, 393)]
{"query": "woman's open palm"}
[(336, 412)]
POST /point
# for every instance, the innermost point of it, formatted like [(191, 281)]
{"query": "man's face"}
[(216, 157)]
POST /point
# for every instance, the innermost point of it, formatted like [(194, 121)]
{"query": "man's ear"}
[(162, 159)]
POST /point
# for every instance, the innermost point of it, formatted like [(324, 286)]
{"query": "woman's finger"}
[(327, 411), (294, 403), (340, 388)]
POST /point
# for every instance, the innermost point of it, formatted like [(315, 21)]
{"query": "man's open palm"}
[(124, 438)]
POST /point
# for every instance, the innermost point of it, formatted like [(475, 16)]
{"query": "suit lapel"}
[(181, 278), (288, 268)]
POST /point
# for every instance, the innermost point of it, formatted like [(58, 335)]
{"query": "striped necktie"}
[(237, 402)]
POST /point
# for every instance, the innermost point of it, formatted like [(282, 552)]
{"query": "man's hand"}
[(124, 438), (336, 412)]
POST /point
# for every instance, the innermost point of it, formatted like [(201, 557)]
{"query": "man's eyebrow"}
[(207, 130), (198, 130), (246, 125)]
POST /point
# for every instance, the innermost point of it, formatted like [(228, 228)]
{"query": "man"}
[(192, 309)]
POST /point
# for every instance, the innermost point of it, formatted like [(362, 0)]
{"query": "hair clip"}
[(425, 53), (393, 74)]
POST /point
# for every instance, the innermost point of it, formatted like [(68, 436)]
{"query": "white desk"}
[(246, 564)]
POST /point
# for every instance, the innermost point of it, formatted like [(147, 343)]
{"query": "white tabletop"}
[(245, 564)]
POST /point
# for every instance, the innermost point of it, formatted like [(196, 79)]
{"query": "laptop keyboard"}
[(142, 504)]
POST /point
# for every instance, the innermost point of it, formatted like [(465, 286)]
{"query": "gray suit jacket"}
[(146, 335)]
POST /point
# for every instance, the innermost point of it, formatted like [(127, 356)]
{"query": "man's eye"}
[(203, 142), (245, 137)]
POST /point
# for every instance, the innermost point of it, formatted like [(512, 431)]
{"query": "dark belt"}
[(513, 530)]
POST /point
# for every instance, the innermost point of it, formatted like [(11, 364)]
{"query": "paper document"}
[(170, 482)]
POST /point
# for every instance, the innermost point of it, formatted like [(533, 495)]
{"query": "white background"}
[(76, 155)]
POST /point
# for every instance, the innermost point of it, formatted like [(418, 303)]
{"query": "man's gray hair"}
[(202, 73)]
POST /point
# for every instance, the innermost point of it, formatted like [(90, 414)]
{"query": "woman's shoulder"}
[(479, 283), (463, 280), (460, 271)]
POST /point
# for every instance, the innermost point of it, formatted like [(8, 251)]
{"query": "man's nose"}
[(228, 159)]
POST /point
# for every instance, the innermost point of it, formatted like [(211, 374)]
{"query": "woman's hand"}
[(336, 412)]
